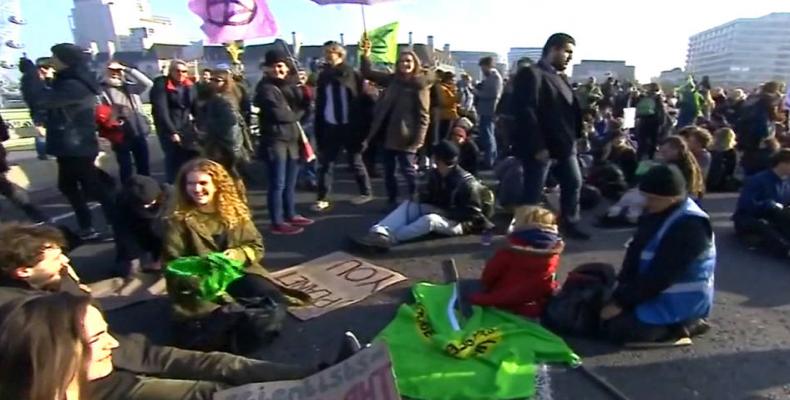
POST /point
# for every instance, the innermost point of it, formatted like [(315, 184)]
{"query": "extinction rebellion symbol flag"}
[(228, 20)]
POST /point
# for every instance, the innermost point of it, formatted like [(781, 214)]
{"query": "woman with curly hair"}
[(211, 216)]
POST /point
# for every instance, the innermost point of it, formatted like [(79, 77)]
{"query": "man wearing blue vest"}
[(665, 287)]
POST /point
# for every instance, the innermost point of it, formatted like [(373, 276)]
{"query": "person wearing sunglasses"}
[(174, 107)]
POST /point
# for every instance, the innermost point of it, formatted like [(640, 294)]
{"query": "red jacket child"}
[(520, 278)]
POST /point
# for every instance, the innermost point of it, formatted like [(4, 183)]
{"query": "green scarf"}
[(492, 355), (213, 272)]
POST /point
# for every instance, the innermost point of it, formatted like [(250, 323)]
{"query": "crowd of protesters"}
[(535, 130)]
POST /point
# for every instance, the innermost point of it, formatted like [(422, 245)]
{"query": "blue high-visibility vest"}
[(691, 296)]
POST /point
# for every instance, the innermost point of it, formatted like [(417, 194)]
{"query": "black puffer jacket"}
[(457, 194), (70, 105)]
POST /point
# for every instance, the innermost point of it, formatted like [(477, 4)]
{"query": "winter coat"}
[(488, 93), (126, 102), (187, 235), (136, 223), (457, 194), (282, 105), (70, 105), (520, 278), (31, 86), (448, 102), (224, 129), (351, 82), (173, 107), (402, 113)]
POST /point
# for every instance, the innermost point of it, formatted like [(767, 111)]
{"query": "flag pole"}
[(364, 23)]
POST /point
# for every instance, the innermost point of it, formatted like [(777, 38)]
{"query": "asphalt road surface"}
[(745, 356)]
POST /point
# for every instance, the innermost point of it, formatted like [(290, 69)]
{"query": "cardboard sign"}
[(334, 281), (367, 375), (629, 118), (117, 293)]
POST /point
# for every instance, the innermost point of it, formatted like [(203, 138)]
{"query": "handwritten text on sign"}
[(334, 281), (367, 375)]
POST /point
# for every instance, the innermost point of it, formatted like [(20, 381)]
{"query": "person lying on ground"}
[(142, 206), (116, 368), (211, 216), (762, 216), (665, 286), (521, 277), (449, 204)]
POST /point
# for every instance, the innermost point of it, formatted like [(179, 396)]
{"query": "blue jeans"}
[(567, 172), (487, 140), (41, 146), (282, 171), (408, 167), (136, 148)]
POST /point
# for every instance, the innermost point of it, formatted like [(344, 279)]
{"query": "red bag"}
[(306, 149), (109, 127)]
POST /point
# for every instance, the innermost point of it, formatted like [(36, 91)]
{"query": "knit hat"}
[(465, 123), (274, 56), (446, 152), (143, 189), (663, 180), (70, 54)]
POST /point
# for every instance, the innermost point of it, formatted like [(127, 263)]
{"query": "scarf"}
[(540, 239)]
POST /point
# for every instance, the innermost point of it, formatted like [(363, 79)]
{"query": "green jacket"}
[(189, 235)]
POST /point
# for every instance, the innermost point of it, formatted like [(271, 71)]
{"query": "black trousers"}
[(770, 232), (78, 180), (335, 139), (251, 285), (647, 137), (627, 328)]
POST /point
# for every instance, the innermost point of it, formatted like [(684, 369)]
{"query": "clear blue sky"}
[(653, 36)]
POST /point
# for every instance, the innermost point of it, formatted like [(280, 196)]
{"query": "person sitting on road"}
[(724, 160), (469, 157), (142, 206), (762, 216), (698, 140), (32, 264), (665, 286), (211, 216), (115, 368), (521, 278), (449, 204)]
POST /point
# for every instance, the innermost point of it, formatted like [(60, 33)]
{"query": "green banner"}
[(384, 44), (493, 354)]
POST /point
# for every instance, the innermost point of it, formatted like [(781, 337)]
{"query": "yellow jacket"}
[(448, 102)]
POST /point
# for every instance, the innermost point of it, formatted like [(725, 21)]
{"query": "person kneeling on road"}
[(762, 216), (665, 286), (450, 204)]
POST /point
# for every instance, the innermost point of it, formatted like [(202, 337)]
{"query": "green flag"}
[(494, 354), (384, 44)]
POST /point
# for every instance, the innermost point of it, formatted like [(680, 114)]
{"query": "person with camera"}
[(121, 90)]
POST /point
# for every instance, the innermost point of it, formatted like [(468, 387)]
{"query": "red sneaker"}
[(300, 221), (286, 229)]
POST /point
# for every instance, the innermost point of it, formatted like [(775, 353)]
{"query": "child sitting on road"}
[(521, 277)]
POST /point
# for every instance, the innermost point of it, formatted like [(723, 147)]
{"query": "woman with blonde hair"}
[(211, 216), (724, 159)]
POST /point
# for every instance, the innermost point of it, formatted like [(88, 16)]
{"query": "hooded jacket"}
[(70, 106), (521, 276), (402, 113)]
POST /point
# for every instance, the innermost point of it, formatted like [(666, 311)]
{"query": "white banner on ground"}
[(334, 281), (365, 375)]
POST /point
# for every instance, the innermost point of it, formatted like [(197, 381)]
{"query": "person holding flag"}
[(401, 115)]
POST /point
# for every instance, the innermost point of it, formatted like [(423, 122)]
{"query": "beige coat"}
[(407, 103)]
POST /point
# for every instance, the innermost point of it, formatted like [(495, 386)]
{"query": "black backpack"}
[(575, 310)]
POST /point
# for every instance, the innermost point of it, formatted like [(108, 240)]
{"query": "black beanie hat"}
[(143, 189), (70, 54), (663, 180), (446, 152), (274, 56)]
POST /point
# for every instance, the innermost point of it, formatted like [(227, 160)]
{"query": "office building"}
[(602, 69), (744, 53), (516, 53)]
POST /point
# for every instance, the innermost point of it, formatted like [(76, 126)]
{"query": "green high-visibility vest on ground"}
[(492, 355)]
